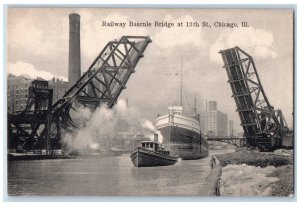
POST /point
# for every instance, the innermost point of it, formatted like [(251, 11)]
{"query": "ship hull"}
[(185, 143), (141, 157)]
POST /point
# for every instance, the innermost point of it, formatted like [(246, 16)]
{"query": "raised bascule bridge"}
[(41, 124), (264, 127)]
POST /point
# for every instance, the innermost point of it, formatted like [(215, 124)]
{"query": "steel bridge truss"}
[(237, 141), (101, 84), (263, 126)]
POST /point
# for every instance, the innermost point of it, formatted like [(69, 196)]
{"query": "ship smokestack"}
[(74, 49), (156, 137)]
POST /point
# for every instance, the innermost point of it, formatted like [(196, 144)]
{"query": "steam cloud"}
[(103, 123), (150, 130), (21, 68)]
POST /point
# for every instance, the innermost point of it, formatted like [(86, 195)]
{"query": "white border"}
[(181, 3)]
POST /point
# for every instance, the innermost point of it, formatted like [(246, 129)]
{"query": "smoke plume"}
[(25, 69), (103, 123), (150, 130)]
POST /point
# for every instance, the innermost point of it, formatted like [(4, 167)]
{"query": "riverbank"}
[(252, 173), (29, 156)]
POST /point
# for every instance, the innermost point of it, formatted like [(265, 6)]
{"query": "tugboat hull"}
[(141, 157)]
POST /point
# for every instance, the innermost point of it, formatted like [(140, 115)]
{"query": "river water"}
[(101, 176)]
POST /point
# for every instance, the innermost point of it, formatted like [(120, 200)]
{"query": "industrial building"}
[(59, 88), (17, 92), (213, 122)]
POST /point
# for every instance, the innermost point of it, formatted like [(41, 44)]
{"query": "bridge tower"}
[(24, 127)]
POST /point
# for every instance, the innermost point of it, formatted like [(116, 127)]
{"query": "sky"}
[(37, 45)]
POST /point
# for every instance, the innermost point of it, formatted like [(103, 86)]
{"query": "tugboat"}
[(151, 154)]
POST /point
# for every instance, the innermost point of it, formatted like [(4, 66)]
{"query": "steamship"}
[(182, 134)]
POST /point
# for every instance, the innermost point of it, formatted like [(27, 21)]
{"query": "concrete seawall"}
[(213, 181)]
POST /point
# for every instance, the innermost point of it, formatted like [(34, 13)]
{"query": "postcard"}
[(150, 102)]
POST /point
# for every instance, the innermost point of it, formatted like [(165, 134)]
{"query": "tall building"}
[(213, 122), (17, 92), (212, 105)]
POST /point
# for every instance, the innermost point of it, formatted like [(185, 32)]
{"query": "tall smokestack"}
[(74, 49)]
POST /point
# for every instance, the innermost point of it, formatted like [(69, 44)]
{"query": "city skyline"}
[(205, 77)]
